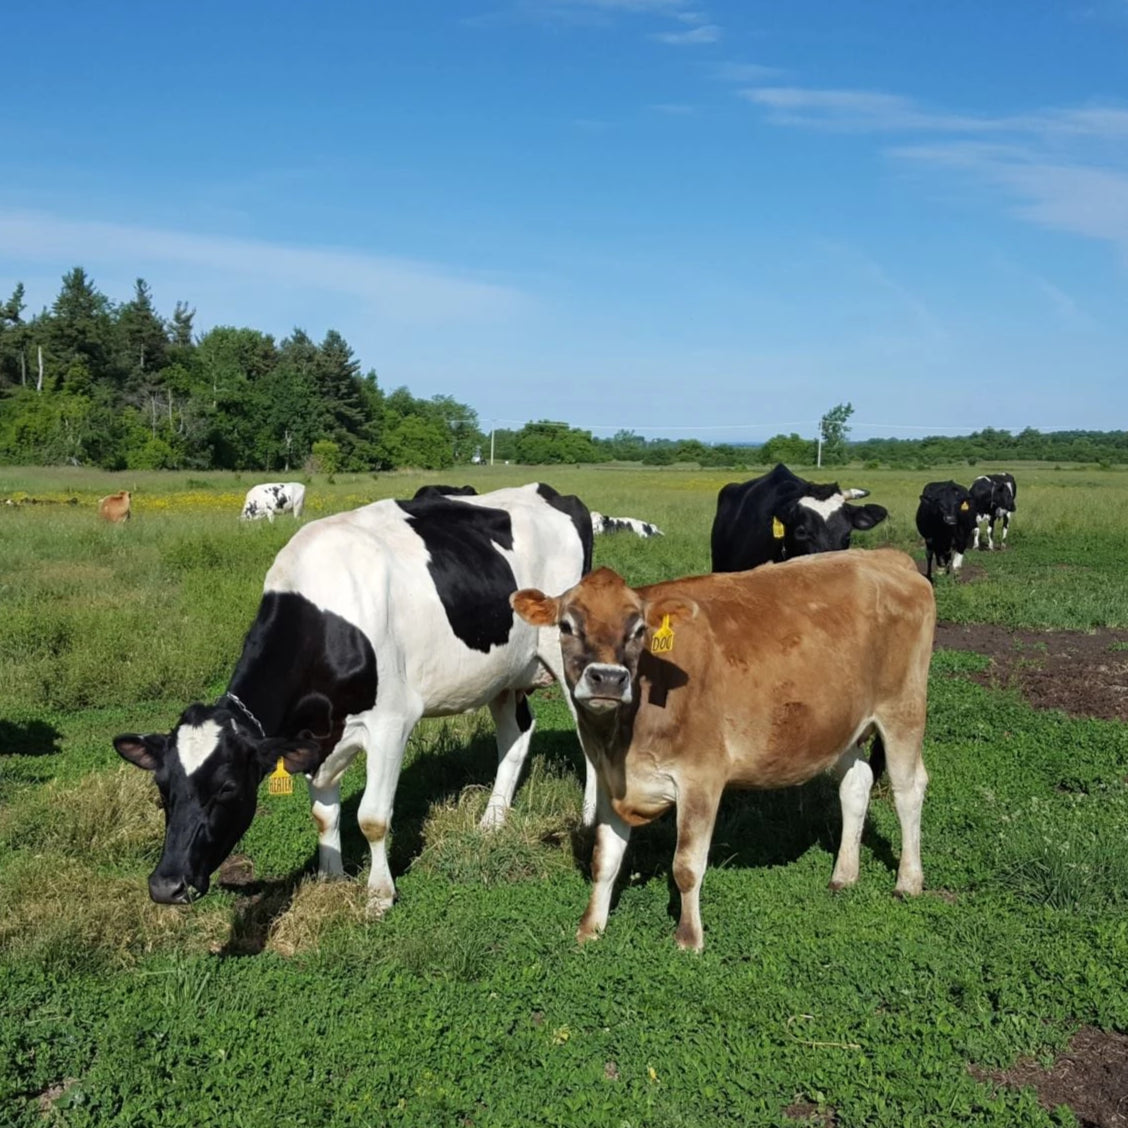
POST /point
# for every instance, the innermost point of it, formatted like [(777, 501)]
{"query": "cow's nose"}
[(608, 681), (168, 890)]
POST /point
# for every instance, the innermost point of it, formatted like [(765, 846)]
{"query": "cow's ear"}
[(535, 607), (676, 607), (300, 756), (866, 516), (146, 751)]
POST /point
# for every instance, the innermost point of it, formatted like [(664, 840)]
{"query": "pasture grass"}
[(277, 1001)]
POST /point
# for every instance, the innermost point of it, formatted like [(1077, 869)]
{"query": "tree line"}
[(116, 385)]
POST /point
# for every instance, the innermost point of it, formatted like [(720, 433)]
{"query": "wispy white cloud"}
[(704, 33), (699, 28), (402, 290), (1064, 168)]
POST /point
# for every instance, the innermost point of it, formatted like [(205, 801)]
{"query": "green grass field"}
[(278, 1003)]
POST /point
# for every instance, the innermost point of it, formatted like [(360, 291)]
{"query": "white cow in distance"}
[(272, 498)]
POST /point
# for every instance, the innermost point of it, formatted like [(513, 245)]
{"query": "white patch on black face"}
[(825, 509), (195, 743)]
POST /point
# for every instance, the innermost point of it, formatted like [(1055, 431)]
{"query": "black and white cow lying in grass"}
[(272, 498), (601, 524), (369, 620)]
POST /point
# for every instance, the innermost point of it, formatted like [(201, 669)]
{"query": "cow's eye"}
[(799, 532), (566, 627), (638, 632)]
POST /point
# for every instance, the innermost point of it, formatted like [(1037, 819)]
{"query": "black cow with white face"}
[(994, 497), (369, 620), (780, 515), (945, 518)]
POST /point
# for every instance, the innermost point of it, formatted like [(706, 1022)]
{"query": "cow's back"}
[(428, 582), (787, 661)]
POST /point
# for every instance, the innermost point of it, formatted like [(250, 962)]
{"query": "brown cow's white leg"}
[(909, 779), (387, 739), (514, 723), (696, 817), (854, 787), (611, 837)]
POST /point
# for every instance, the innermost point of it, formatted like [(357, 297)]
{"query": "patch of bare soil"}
[(1084, 674), (1091, 1077)]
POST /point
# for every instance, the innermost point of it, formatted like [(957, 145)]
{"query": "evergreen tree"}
[(79, 335)]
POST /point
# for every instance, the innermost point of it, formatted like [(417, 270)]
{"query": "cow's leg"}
[(387, 739), (855, 782), (910, 780), (325, 805), (991, 533), (1006, 529), (611, 837), (697, 813), (975, 537), (515, 723)]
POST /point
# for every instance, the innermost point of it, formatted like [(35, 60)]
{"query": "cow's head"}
[(821, 520), (604, 628), (208, 770)]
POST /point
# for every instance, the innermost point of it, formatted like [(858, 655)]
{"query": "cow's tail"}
[(877, 756)]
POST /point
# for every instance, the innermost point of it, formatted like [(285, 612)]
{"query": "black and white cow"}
[(780, 515), (369, 620), (994, 497), (602, 524), (272, 498), (945, 518)]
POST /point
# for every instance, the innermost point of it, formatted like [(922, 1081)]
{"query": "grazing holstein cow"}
[(601, 524), (945, 518), (272, 498), (115, 507), (369, 620), (779, 515), (994, 497), (756, 679)]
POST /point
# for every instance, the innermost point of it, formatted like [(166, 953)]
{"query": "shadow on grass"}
[(29, 738), (258, 907)]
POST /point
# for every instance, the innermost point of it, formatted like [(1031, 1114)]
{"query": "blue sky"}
[(678, 217)]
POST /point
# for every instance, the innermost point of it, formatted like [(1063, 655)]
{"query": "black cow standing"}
[(994, 498), (780, 515), (946, 520)]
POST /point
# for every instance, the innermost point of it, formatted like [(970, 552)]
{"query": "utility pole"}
[(491, 445)]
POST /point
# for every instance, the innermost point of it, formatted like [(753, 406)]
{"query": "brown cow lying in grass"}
[(115, 507), (749, 679)]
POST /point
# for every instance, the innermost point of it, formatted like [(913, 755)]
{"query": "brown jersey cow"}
[(115, 507), (748, 679)]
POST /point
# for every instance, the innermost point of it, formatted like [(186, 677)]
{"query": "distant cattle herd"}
[(373, 618)]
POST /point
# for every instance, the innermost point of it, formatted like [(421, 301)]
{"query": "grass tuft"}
[(318, 906)]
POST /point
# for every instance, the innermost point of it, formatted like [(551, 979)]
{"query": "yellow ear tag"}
[(964, 507), (662, 641), (280, 781), (777, 528)]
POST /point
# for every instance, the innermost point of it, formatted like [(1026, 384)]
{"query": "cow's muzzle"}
[(603, 687), (175, 890)]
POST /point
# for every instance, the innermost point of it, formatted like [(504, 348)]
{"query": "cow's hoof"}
[(493, 819)]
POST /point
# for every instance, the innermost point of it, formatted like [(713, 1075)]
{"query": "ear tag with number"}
[(662, 641), (964, 507), (280, 782), (777, 528)]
